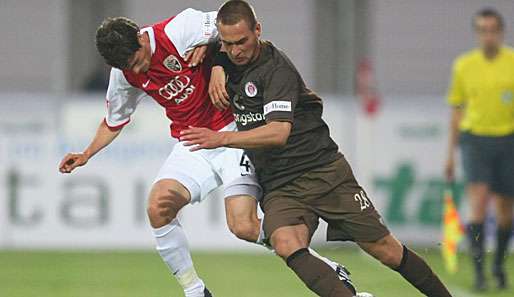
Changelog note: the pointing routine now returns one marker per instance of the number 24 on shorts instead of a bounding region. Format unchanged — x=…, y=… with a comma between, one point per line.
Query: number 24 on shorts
x=362, y=199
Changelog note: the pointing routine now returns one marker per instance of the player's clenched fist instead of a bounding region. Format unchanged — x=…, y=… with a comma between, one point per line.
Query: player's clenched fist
x=72, y=161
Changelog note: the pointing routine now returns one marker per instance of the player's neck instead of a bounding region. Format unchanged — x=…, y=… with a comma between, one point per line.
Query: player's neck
x=257, y=52
x=491, y=53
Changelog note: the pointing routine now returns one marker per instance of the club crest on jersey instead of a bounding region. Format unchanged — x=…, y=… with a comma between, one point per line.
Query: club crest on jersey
x=172, y=63
x=507, y=96
x=250, y=89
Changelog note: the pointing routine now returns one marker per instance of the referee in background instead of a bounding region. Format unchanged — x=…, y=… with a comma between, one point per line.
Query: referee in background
x=482, y=123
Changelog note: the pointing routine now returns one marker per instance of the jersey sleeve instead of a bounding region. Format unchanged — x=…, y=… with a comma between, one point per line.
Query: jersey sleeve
x=191, y=28
x=122, y=100
x=456, y=96
x=281, y=95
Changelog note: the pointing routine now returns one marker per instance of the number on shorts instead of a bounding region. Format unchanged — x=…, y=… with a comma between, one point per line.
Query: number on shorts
x=363, y=200
x=246, y=165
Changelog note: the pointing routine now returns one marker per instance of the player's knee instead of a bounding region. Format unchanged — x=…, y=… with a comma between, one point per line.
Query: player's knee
x=245, y=230
x=285, y=244
x=163, y=205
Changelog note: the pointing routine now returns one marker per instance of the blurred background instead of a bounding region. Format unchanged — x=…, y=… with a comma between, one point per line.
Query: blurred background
x=382, y=67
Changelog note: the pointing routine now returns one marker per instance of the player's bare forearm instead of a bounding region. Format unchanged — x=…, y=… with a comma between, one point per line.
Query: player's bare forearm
x=456, y=116
x=453, y=136
x=103, y=137
x=273, y=134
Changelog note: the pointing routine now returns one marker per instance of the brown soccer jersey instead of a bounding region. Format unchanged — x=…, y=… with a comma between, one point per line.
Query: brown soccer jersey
x=271, y=89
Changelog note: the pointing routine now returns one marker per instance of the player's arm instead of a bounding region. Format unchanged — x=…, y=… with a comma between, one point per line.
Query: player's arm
x=273, y=134
x=191, y=31
x=280, y=97
x=103, y=137
x=217, y=83
x=122, y=100
x=453, y=142
x=456, y=99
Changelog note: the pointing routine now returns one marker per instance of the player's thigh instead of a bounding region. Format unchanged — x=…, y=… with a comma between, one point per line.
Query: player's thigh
x=242, y=220
x=288, y=239
x=192, y=170
x=334, y=194
x=282, y=210
x=236, y=173
x=478, y=159
x=504, y=172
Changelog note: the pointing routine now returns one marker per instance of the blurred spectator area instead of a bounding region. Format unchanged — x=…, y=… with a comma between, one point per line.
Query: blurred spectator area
x=48, y=45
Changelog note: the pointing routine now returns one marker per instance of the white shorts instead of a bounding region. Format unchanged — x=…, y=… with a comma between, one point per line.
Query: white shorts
x=203, y=171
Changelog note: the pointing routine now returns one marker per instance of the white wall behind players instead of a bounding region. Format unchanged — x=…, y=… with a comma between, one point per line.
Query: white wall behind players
x=412, y=42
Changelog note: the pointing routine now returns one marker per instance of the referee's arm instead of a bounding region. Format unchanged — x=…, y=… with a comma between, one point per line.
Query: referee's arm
x=456, y=99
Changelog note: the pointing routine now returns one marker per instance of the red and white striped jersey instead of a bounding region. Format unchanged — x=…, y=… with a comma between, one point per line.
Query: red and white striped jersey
x=181, y=90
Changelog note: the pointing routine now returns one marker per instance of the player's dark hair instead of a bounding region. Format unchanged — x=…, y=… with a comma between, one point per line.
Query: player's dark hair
x=233, y=11
x=117, y=40
x=489, y=12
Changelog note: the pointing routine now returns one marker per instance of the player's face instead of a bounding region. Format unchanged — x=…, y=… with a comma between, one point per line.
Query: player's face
x=489, y=33
x=140, y=60
x=240, y=42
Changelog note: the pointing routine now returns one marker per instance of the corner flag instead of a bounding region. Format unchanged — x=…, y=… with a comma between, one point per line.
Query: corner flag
x=453, y=231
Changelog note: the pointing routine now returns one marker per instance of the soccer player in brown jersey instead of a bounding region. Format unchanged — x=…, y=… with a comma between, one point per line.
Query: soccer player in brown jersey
x=303, y=175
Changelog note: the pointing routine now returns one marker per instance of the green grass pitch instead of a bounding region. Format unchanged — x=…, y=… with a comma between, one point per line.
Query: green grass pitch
x=141, y=274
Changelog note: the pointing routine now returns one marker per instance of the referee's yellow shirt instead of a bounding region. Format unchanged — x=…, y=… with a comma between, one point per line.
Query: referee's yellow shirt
x=485, y=89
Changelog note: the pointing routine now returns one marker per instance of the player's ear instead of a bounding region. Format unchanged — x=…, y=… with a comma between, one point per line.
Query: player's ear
x=140, y=39
x=258, y=29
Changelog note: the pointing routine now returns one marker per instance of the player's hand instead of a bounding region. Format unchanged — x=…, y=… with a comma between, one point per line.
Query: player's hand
x=449, y=170
x=201, y=138
x=217, y=89
x=72, y=161
x=195, y=56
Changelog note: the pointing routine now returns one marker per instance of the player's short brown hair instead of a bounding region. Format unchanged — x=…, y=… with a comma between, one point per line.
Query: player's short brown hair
x=488, y=12
x=233, y=11
x=117, y=40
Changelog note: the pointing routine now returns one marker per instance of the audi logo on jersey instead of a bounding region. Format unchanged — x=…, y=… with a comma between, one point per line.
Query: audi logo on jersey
x=178, y=89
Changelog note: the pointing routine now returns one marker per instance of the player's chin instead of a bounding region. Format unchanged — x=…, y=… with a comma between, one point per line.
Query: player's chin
x=240, y=61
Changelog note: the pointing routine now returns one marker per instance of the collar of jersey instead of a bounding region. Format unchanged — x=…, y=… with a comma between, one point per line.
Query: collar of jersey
x=151, y=36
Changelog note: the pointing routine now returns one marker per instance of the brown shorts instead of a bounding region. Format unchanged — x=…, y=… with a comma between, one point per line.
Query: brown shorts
x=331, y=193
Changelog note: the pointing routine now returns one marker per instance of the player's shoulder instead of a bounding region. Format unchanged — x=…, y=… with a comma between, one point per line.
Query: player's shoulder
x=508, y=51
x=467, y=58
x=279, y=59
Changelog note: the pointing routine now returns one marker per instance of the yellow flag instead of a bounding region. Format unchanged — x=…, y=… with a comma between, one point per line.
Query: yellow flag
x=453, y=232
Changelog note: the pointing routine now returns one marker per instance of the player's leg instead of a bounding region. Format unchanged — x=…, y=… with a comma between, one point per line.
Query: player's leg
x=242, y=219
x=166, y=199
x=178, y=183
x=291, y=225
x=390, y=252
x=242, y=193
x=504, y=209
x=478, y=194
x=504, y=184
x=477, y=161
x=290, y=243
x=351, y=215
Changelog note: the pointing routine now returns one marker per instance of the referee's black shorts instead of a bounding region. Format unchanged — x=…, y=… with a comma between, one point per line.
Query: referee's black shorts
x=489, y=160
